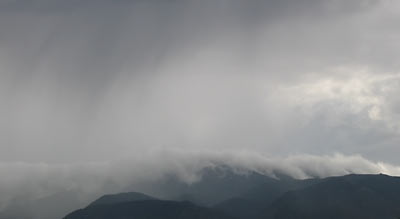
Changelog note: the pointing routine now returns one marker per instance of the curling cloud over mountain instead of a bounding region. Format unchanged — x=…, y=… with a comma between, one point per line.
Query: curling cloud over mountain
x=39, y=180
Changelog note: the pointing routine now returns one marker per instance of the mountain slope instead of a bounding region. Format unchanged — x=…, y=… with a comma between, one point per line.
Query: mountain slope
x=253, y=196
x=121, y=197
x=352, y=196
x=250, y=203
x=149, y=209
x=216, y=185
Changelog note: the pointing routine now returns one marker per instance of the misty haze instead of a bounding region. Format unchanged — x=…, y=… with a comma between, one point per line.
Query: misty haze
x=199, y=109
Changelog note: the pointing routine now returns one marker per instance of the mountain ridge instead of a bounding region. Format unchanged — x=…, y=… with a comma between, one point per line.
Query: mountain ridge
x=350, y=196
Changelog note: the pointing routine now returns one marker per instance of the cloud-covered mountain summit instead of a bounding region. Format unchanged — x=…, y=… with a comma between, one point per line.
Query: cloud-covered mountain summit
x=165, y=175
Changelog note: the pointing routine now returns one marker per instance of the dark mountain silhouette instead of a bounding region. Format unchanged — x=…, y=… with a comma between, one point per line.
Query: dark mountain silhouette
x=351, y=196
x=121, y=197
x=255, y=196
x=149, y=209
x=250, y=203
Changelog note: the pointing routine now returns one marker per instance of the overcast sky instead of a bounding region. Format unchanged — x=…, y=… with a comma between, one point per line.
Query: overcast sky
x=100, y=91
x=99, y=80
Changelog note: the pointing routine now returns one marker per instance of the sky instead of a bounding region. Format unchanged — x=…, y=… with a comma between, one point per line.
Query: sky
x=97, y=81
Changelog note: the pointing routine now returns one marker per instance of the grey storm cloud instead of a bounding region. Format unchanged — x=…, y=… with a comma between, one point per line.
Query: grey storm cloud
x=93, y=80
x=87, y=84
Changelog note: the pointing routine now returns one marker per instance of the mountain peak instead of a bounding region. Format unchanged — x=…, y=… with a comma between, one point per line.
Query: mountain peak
x=121, y=197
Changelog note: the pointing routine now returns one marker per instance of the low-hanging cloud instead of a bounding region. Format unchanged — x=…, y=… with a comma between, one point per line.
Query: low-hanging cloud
x=34, y=181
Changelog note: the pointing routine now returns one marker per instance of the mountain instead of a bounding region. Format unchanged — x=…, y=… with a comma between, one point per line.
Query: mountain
x=120, y=198
x=251, y=195
x=250, y=203
x=216, y=185
x=148, y=209
x=351, y=196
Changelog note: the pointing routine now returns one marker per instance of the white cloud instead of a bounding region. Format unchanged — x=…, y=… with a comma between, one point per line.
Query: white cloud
x=349, y=91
